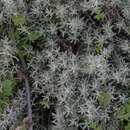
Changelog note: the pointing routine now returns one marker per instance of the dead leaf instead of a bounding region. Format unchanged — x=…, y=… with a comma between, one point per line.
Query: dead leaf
x=26, y=119
x=19, y=128
x=15, y=103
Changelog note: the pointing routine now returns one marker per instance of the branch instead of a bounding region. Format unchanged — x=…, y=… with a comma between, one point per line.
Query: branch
x=24, y=67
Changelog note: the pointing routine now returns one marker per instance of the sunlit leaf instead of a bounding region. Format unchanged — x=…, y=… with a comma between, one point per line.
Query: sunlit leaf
x=93, y=125
x=19, y=19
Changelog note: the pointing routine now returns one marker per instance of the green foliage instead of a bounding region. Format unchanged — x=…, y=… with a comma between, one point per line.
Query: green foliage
x=104, y=99
x=95, y=126
x=99, y=14
x=99, y=127
x=128, y=126
x=19, y=19
x=58, y=20
x=33, y=35
x=7, y=91
x=14, y=34
x=124, y=113
x=23, y=125
x=98, y=48
x=8, y=86
x=45, y=103
x=63, y=107
x=22, y=48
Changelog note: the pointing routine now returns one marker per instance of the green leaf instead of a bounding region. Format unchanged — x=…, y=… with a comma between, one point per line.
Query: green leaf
x=23, y=125
x=45, y=103
x=7, y=76
x=99, y=16
x=4, y=100
x=58, y=20
x=63, y=107
x=129, y=101
x=99, y=127
x=128, y=126
x=37, y=117
x=104, y=99
x=19, y=19
x=22, y=48
x=98, y=48
x=93, y=125
x=124, y=116
x=8, y=86
x=13, y=35
x=128, y=108
x=124, y=113
x=33, y=35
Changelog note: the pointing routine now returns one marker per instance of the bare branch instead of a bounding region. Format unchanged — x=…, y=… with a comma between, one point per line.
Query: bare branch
x=24, y=66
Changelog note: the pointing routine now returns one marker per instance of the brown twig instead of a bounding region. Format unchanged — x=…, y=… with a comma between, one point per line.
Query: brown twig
x=24, y=67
